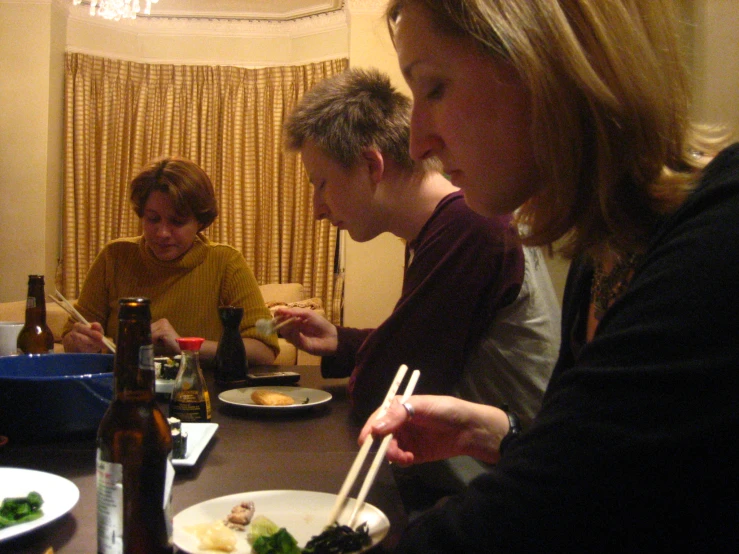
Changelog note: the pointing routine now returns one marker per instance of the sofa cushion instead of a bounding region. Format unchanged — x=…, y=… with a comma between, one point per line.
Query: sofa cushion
x=308, y=303
x=282, y=292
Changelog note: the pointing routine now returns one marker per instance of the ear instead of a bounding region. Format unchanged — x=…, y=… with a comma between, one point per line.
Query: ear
x=375, y=163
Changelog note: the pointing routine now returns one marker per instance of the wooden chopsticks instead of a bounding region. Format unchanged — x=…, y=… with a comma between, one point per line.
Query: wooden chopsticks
x=364, y=451
x=67, y=306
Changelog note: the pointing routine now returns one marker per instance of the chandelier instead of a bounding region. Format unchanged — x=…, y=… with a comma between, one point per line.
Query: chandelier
x=117, y=9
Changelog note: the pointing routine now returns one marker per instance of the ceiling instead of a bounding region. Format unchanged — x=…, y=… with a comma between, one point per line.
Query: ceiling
x=270, y=10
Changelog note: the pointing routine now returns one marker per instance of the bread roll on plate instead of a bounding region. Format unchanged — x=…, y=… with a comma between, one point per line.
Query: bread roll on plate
x=265, y=397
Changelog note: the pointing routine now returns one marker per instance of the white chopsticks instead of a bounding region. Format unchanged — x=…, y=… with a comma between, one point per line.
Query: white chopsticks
x=271, y=326
x=67, y=306
x=364, y=450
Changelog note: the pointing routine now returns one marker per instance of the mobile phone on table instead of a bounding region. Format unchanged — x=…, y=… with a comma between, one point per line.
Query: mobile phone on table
x=273, y=378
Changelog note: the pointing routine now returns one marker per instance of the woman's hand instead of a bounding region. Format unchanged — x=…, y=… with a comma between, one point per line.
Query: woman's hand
x=164, y=338
x=85, y=339
x=441, y=427
x=309, y=331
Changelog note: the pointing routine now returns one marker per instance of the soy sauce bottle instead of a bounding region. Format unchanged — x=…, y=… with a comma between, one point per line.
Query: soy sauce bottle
x=190, y=401
x=35, y=337
x=231, y=365
x=134, y=448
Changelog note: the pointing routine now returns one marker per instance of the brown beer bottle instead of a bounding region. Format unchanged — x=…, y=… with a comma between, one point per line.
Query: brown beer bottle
x=134, y=447
x=35, y=336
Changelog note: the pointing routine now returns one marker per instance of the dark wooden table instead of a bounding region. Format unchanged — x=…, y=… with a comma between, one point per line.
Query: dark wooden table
x=306, y=450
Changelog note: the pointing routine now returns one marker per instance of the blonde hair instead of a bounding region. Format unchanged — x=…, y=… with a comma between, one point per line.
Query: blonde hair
x=609, y=97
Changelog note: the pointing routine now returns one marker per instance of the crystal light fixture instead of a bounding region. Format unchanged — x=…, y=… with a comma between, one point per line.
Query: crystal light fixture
x=117, y=9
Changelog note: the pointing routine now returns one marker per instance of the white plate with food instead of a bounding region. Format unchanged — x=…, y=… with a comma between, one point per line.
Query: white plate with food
x=59, y=496
x=284, y=399
x=303, y=513
x=198, y=437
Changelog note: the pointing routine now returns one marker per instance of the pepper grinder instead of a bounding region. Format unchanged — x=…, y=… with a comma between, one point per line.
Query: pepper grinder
x=231, y=365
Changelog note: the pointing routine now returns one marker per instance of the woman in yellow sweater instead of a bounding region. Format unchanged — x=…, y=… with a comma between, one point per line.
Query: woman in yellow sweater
x=186, y=276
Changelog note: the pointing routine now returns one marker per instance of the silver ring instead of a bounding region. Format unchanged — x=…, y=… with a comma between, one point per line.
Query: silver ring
x=409, y=408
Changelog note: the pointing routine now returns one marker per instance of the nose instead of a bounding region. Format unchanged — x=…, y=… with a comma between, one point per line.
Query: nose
x=424, y=142
x=163, y=230
x=320, y=209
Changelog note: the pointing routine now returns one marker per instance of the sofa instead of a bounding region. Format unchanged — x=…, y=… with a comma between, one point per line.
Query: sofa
x=275, y=295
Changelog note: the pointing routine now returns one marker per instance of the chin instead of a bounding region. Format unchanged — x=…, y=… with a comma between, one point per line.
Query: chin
x=363, y=235
x=167, y=257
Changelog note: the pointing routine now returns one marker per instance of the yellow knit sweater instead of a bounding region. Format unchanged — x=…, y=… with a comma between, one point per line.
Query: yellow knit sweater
x=187, y=291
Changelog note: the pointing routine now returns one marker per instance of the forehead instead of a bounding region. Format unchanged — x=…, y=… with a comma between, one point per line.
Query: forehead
x=161, y=202
x=317, y=161
x=413, y=30
x=419, y=43
x=158, y=199
x=426, y=53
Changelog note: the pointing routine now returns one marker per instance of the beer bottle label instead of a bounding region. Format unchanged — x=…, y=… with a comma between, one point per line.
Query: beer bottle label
x=146, y=357
x=167, y=500
x=110, y=506
x=30, y=302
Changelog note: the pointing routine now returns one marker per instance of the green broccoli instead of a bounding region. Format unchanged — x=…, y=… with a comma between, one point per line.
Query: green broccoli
x=21, y=509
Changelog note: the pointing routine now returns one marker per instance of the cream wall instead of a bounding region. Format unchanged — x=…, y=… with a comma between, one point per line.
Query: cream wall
x=32, y=41
x=34, y=34
x=374, y=269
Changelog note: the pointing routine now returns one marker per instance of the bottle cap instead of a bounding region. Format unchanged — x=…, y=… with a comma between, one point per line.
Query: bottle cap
x=190, y=343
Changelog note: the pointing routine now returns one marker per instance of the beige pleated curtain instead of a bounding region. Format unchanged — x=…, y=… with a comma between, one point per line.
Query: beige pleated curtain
x=120, y=114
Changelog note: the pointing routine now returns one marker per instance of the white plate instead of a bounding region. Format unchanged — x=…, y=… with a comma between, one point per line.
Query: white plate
x=164, y=386
x=304, y=398
x=302, y=513
x=59, y=494
x=198, y=437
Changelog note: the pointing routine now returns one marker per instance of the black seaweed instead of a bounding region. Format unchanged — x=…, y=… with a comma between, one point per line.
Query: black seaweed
x=339, y=539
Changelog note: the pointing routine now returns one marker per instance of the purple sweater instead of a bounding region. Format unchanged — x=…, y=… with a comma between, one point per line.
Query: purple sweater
x=460, y=270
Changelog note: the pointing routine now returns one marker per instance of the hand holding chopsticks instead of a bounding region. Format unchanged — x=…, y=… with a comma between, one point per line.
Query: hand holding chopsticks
x=364, y=450
x=67, y=306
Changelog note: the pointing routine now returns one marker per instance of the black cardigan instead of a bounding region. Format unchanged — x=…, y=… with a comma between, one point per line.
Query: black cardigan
x=635, y=447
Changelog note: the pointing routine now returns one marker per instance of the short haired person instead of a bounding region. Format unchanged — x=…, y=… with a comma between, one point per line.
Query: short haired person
x=186, y=276
x=464, y=274
x=575, y=114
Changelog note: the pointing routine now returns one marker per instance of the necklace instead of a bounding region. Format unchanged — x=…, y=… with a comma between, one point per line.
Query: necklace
x=609, y=285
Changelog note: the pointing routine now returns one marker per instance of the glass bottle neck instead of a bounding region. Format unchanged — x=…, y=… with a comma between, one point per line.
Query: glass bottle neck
x=36, y=304
x=134, y=375
x=190, y=359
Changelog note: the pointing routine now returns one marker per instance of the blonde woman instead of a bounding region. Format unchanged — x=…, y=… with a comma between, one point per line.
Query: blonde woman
x=575, y=112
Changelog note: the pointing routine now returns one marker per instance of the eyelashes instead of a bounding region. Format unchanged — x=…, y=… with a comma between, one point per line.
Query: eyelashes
x=436, y=92
x=155, y=220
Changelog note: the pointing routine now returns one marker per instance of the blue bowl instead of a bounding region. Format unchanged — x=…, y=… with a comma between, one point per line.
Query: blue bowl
x=54, y=396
